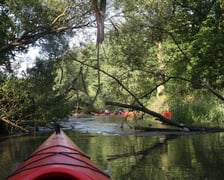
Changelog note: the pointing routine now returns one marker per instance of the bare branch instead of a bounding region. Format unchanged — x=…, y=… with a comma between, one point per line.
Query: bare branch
x=74, y=81
x=144, y=109
x=161, y=118
x=13, y=124
x=60, y=15
x=203, y=85
x=109, y=75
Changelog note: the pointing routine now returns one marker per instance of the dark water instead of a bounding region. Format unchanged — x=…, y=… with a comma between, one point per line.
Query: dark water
x=132, y=156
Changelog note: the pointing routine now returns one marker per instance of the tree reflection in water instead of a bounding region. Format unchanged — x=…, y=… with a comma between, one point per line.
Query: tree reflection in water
x=133, y=157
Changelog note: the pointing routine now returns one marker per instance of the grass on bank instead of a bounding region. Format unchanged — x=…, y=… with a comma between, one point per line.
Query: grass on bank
x=200, y=111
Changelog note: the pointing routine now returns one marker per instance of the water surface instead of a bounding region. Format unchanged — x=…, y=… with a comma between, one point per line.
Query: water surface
x=131, y=156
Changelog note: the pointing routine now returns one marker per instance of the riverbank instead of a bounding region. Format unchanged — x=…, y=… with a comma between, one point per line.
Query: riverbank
x=117, y=126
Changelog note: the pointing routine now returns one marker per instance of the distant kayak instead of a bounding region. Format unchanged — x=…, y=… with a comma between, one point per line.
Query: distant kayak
x=124, y=114
x=58, y=158
x=167, y=114
x=110, y=114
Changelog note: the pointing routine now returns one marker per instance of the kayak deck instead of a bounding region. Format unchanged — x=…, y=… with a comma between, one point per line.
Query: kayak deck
x=58, y=158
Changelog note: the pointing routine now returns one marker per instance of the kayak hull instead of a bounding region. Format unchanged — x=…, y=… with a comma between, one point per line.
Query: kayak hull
x=58, y=158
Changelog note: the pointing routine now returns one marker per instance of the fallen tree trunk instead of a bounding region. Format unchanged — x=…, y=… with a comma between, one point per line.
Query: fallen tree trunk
x=143, y=109
x=14, y=125
x=163, y=119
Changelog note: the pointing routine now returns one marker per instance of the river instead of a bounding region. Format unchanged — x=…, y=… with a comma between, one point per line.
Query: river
x=127, y=155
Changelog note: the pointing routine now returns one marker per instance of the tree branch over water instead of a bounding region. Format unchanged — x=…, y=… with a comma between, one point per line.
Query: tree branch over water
x=161, y=118
x=170, y=77
x=109, y=75
x=202, y=84
x=142, y=108
x=148, y=111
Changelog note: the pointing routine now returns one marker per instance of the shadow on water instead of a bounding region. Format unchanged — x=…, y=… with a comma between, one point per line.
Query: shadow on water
x=141, y=155
x=127, y=155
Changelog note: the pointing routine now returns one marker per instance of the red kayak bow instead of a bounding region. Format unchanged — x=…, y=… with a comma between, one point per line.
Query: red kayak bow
x=58, y=158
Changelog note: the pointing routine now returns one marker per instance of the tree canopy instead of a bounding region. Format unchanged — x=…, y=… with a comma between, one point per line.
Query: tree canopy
x=140, y=46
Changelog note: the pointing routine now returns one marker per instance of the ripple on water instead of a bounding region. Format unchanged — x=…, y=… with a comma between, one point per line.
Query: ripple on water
x=103, y=125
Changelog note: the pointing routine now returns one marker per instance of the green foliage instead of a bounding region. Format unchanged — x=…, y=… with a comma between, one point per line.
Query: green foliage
x=47, y=24
x=15, y=100
x=48, y=102
x=6, y=27
x=197, y=30
x=198, y=109
x=156, y=40
x=183, y=39
x=33, y=101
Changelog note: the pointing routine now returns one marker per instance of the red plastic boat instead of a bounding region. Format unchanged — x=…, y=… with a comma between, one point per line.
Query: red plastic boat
x=58, y=158
x=123, y=114
x=111, y=114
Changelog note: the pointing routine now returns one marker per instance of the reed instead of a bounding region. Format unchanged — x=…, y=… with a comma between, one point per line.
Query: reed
x=203, y=110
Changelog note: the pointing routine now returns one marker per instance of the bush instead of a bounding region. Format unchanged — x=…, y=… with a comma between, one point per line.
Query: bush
x=203, y=110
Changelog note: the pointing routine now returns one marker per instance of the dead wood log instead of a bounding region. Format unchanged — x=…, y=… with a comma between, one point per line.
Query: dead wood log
x=143, y=109
x=163, y=119
x=14, y=125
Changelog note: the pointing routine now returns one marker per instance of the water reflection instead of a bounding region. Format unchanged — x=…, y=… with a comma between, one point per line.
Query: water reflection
x=133, y=157
x=13, y=150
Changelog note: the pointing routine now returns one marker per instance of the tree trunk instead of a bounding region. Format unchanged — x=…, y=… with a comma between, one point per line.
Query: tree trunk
x=163, y=119
x=14, y=125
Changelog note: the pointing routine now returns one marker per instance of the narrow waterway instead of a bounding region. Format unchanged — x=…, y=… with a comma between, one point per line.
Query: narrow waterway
x=126, y=155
